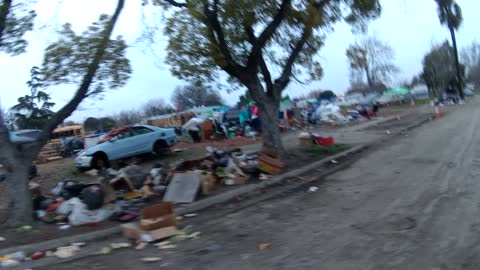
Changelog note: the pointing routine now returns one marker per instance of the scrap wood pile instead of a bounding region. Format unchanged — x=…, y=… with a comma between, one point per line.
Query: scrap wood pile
x=119, y=195
x=50, y=152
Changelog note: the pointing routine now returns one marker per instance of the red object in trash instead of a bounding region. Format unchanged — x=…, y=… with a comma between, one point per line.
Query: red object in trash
x=37, y=255
x=325, y=141
x=52, y=207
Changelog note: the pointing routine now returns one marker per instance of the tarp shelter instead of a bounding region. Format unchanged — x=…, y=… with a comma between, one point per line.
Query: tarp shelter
x=313, y=101
x=397, y=92
x=286, y=104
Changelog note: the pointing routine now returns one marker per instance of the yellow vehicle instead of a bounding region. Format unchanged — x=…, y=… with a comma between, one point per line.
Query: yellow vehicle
x=58, y=134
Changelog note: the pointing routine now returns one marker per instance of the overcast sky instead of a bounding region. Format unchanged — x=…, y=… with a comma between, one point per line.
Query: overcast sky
x=410, y=26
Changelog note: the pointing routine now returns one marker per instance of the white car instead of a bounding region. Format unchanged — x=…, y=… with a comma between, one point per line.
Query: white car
x=126, y=142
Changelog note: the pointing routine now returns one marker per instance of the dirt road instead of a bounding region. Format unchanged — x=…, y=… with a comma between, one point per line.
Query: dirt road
x=413, y=204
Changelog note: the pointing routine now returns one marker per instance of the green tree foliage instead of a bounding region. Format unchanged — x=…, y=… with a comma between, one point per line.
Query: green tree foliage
x=260, y=44
x=371, y=59
x=244, y=100
x=99, y=124
x=33, y=110
x=450, y=15
x=15, y=21
x=327, y=95
x=471, y=59
x=67, y=60
x=191, y=96
x=439, y=68
x=321, y=94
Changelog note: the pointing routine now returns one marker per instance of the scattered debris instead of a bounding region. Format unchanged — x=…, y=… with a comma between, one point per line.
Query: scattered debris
x=264, y=246
x=263, y=176
x=66, y=251
x=37, y=255
x=167, y=246
x=151, y=259
x=194, y=235
x=245, y=256
x=120, y=245
x=312, y=189
x=157, y=222
x=190, y=215
x=2, y=239
x=141, y=246
x=9, y=263
x=177, y=150
x=24, y=228
x=387, y=131
x=333, y=161
x=105, y=250
x=64, y=227
x=163, y=243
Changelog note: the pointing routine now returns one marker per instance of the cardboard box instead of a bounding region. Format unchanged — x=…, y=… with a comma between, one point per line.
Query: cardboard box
x=158, y=216
x=270, y=152
x=132, y=195
x=208, y=182
x=240, y=180
x=306, y=141
x=133, y=231
x=270, y=165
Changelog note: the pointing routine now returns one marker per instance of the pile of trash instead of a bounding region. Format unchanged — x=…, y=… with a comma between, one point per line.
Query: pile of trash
x=119, y=195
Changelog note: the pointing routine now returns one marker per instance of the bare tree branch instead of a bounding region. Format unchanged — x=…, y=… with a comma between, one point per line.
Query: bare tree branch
x=82, y=91
x=217, y=32
x=263, y=65
x=267, y=33
x=284, y=78
x=4, y=11
x=176, y=4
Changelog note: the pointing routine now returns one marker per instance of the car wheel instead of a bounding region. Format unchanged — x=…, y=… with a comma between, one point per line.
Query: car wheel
x=160, y=147
x=99, y=161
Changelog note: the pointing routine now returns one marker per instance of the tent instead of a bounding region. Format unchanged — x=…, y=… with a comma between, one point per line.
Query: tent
x=286, y=104
x=397, y=92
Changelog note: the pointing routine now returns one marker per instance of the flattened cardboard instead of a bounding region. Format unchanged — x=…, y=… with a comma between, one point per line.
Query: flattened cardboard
x=133, y=231
x=183, y=188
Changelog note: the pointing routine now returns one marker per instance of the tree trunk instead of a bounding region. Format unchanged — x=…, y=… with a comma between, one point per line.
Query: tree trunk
x=369, y=77
x=457, y=64
x=269, y=110
x=20, y=199
x=16, y=167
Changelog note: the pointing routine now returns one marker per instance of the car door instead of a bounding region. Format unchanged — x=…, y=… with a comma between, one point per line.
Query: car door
x=143, y=139
x=120, y=146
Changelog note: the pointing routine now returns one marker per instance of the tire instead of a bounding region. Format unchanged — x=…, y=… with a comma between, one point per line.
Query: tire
x=160, y=147
x=99, y=161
